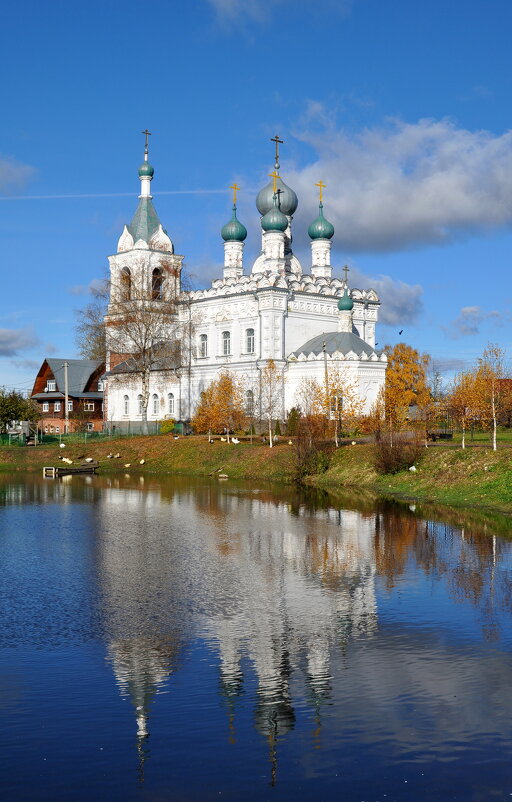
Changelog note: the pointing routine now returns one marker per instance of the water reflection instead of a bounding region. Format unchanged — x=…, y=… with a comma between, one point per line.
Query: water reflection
x=305, y=606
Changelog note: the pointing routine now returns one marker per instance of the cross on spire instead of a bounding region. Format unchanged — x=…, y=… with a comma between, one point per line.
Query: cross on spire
x=346, y=272
x=321, y=186
x=146, y=134
x=235, y=189
x=278, y=142
x=275, y=176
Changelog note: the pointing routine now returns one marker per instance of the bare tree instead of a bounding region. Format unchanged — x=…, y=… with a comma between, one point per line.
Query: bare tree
x=90, y=325
x=271, y=395
x=142, y=328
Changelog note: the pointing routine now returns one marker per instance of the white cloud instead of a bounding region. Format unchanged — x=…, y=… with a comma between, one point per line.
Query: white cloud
x=468, y=321
x=96, y=285
x=12, y=341
x=401, y=302
x=403, y=185
x=13, y=174
x=228, y=11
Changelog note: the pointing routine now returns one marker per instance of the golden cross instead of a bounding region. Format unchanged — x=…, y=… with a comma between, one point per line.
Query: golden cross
x=235, y=189
x=275, y=176
x=321, y=187
x=146, y=134
x=278, y=142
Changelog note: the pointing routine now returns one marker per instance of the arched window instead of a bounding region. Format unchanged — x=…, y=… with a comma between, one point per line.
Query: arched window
x=156, y=404
x=226, y=343
x=157, y=285
x=170, y=403
x=126, y=284
x=249, y=341
x=249, y=402
x=203, y=345
x=139, y=404
x=126, y=405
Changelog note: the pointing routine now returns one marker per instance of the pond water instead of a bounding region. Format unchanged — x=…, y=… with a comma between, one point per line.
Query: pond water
x=194, y=640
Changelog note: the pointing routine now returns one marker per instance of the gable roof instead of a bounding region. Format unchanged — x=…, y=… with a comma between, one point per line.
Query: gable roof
x=79, y=373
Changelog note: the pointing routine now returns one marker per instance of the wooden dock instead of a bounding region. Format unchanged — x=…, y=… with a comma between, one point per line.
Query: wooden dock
x=53, y=472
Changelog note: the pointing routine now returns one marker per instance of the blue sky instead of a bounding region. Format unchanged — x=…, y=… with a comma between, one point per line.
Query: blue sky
x=403, y=109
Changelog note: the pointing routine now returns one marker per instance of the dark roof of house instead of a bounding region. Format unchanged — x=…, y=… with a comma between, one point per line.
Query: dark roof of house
x=79, y=373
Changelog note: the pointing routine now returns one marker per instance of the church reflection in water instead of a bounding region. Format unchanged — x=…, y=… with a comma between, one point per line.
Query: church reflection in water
x=276, y=590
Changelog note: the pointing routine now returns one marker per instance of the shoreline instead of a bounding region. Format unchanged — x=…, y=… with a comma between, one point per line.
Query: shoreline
x=476, y=478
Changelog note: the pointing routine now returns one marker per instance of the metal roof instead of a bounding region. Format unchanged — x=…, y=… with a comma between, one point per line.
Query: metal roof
x=79, y=373
x=341, y=341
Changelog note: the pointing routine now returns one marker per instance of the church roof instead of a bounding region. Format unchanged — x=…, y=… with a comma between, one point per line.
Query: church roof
x=335, y=341
x=145, y=221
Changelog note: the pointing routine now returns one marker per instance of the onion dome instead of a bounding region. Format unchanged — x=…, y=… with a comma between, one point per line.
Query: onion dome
x=345, y=304
x=321, y=228
x=234, y=231
x=146, y=169
x=288, y=201
x=274, y=219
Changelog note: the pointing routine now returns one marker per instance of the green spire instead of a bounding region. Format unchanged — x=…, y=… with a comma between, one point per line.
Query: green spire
x=145, y=221
x=321, y=228
x=274, y=219
x=234, y=230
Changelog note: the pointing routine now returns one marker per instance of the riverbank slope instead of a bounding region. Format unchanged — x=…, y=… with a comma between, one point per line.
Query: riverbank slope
x=451, y=476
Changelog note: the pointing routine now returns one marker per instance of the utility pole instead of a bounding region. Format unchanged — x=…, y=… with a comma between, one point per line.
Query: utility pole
x=66, y=406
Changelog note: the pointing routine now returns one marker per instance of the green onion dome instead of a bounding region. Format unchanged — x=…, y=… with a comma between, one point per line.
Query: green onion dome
x=274, y=219
x=321, y=228
x=234, y=231
x=288, y=200
x=345, y=304
x=146, y=169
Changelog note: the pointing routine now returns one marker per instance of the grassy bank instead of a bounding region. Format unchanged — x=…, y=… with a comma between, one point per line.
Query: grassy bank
x=161, y=454
x=448, y=476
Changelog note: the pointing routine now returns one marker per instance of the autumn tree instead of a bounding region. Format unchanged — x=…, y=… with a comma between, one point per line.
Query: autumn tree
x=490, y=389
x=271, y=395
x=406, y=383
x=221, y=406
x=463, y=401
x=341, y=401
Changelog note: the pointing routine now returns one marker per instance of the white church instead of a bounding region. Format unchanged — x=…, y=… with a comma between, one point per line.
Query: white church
x=306, y=319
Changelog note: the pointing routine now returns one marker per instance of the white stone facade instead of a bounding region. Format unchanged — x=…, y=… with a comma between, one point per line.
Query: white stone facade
x=243, y=320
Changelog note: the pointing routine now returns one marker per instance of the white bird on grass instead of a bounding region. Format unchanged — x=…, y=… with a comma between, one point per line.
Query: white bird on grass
x=235, y=440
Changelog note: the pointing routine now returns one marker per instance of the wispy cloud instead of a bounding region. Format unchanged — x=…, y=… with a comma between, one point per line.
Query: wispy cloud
x=468, y=322
x=112, y=194
x=403, y=185
x=401, y=302
x=258, y=11
x=26, y=364
x=96, y=285
x=12, y=341
x=14, y=175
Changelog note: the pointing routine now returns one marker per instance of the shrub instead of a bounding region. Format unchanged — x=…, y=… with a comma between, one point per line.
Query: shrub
x=395, y=452
x=293, y=422
x=277, y=430
x=167, y=426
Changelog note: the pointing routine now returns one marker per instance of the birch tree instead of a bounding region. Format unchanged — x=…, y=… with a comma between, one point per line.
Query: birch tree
x=490, y=389
x=271, y=395
x=463, y=401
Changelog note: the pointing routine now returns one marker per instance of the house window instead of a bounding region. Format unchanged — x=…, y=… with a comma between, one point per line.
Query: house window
x=90, y=427
x=170, y=403
x=126, y=285
x=156, y=285
x=203, y=345
x=46, y=429
x=156, y=405
x=249, y=341
x=226, y=343
x=56, y=406
x=57, y=429
x=249, y=402
x=100, y=386
x=126, y=405
x=70, y=406
x=139, y=404
x=46, y=406
x=89, y=406
x=52, y=386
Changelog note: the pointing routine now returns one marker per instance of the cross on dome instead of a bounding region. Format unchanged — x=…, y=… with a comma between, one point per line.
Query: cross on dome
x=278, y=142
x=321, y=186
x=235, y=189
x=146, y=134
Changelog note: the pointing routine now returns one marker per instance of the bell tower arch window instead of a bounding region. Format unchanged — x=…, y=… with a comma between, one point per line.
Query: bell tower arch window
x=157, y=282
